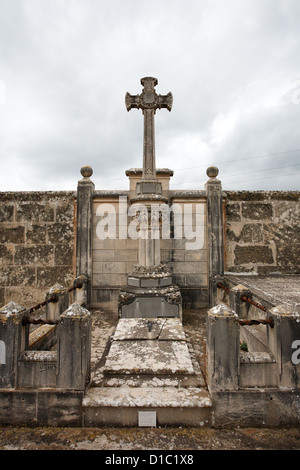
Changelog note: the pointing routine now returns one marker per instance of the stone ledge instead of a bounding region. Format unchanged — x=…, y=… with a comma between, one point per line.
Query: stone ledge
x=147, y=397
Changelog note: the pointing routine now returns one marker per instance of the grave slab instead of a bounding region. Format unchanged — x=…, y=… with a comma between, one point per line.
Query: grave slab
x=141, y=348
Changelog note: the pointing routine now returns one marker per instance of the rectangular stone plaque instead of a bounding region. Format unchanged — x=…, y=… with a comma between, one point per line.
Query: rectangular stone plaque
x=147, y=419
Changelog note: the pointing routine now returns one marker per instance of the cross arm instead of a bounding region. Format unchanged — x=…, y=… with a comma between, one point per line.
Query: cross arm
x=165, y=101
x=132, y=101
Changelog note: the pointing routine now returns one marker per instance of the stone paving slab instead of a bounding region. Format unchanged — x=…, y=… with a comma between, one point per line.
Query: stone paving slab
x=148, y=357
x=150, y=328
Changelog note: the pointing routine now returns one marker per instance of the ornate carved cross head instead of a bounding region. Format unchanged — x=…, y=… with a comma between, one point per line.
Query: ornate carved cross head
x=149, y=99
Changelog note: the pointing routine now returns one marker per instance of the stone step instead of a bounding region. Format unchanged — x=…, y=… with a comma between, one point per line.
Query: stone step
x=119, y=380
x=170, y=406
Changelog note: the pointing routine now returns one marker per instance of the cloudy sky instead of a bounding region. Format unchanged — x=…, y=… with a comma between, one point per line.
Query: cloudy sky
x=232, y=66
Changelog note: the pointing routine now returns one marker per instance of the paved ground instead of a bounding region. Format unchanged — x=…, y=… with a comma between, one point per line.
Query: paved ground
x=50, y=438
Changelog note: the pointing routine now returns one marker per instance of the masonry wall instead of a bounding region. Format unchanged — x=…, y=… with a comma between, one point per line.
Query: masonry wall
x=262, y=232
x=37, y=238
x=36, y=244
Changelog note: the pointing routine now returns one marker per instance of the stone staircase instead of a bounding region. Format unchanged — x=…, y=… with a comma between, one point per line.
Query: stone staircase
x=149, y=377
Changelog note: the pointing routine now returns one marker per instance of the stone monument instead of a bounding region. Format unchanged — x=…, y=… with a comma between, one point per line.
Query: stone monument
x=149, y=345
x=150, y=292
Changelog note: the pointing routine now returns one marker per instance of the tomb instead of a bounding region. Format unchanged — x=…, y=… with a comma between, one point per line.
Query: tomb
x=150, y=353
x=161, y=307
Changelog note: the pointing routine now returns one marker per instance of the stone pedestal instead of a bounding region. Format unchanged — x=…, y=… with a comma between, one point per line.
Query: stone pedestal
x=284, y=342
x=74, y=348
x=222, y=349
x=150, y=293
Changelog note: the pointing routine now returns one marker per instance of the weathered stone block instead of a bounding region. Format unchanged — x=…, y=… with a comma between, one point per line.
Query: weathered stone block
x=38, y=255
x=126, y=255
x=48, y=276
x=65, y=212
x=17, y=276
x=233, y=212
x=33, y=211
x=104, y=255
x=253, y=254
x=109, y=279
x=2, y=296
x=107, y=267
x=64, y=255
x=178, y=255
x=37, y=369
x=189, y=267
x=60, y=233
x=6, y=212
x=6, y=256
x=195, y=255
x=257, y=211
x=248, y=233
x=196, y=280
x=11, y=234
x=36, y=234
x=286, y=238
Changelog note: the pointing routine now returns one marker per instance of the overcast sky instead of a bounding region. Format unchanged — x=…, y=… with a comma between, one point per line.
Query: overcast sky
x=233, y=67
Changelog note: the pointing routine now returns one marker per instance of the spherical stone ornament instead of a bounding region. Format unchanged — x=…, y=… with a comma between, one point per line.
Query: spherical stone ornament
x=212, y=171
x=86, y=171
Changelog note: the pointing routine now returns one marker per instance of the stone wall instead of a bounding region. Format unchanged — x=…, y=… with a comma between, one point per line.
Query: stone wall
x=262, y=232
x=36, y=244
x=37, y=238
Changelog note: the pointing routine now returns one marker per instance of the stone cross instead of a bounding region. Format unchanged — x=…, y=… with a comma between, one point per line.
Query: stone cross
x=149, y=101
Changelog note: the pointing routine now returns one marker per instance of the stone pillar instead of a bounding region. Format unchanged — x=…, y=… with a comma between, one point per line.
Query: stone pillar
x=13, y=341
x=84, y=229
x=236, y=304
x=214, y=229
x=223, y=348
x=56, y=308
x=74, y=348
x=284, y=343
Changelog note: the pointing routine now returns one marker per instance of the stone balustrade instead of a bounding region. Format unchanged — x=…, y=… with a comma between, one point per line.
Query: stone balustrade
x=263, y=355
x=65, y=366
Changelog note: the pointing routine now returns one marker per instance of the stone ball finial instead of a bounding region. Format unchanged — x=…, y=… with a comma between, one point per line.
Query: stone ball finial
x=212, y=171
x=86, y=171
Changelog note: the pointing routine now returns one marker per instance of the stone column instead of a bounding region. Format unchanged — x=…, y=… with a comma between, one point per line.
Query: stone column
x=13, y=339
x=214, y=230
x=223, y=348
x=84, y=229
x=284, y=343
x=74, y=348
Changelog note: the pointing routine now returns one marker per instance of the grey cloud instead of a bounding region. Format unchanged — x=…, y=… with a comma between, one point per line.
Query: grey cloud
x=67, y=65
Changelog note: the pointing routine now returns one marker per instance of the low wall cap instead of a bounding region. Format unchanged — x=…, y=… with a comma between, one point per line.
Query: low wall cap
x=76, y=310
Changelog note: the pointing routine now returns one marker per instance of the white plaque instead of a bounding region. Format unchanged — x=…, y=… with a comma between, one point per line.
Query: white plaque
x=147, y=419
